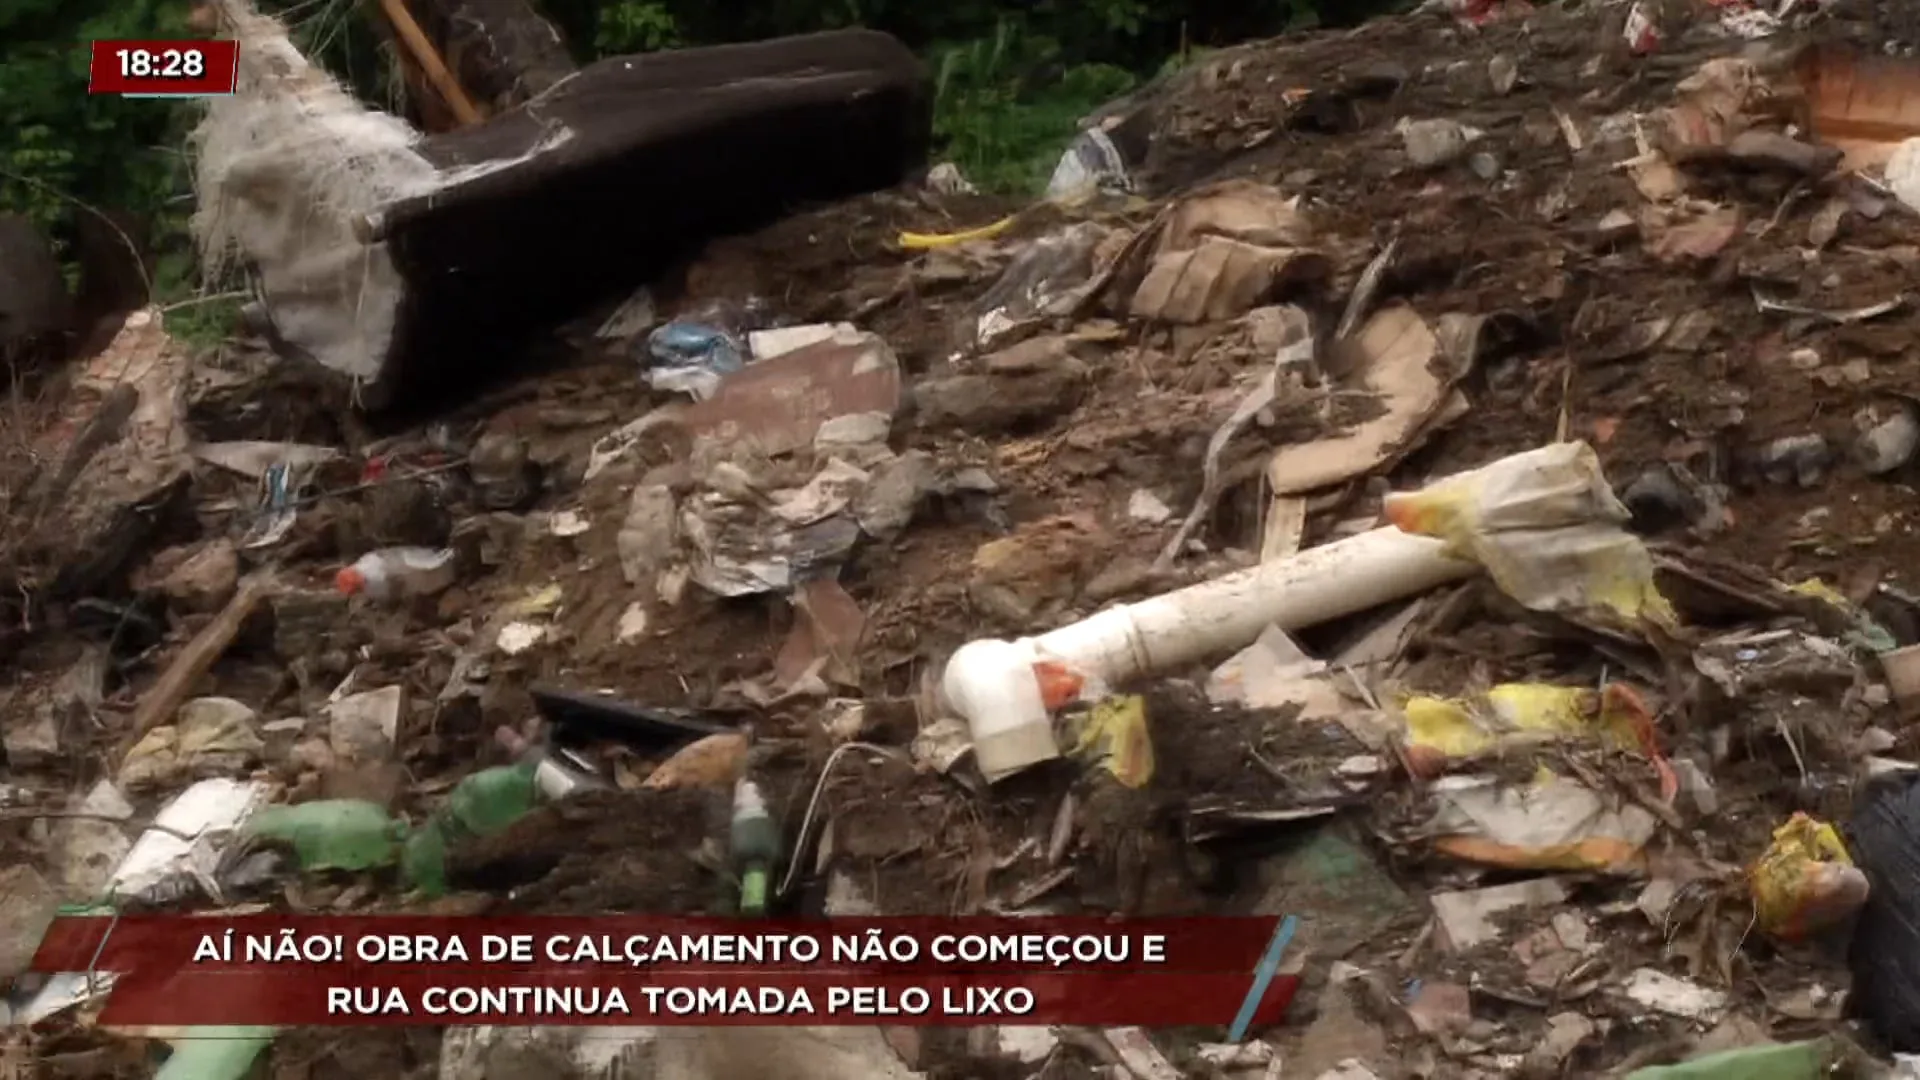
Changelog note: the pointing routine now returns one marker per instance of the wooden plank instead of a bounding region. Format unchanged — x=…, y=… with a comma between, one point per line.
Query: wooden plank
x=164, y=698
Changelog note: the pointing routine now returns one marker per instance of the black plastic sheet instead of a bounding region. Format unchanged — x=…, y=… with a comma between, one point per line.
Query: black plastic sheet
x=1884, y=839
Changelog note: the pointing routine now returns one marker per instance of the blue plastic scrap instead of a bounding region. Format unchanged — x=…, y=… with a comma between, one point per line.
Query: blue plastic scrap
x=695, y=345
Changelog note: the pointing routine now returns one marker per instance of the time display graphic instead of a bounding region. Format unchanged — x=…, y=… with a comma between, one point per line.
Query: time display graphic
x=163, y=68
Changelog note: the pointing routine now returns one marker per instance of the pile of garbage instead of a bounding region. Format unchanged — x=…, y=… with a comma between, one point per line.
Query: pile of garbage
x=1447, y=481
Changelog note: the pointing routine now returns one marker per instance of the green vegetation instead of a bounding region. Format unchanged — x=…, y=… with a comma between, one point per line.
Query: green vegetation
x=1012, y=80
x=1004, y=133
x=65, y=153
x=57, y=143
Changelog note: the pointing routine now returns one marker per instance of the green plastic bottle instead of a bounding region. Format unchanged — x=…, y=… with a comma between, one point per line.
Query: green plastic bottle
x=1777, y=1061
x=754, y=845
x=492, y=799
x=484, y=803
x=216, y=1053
x=332, y=834
x=424, y=859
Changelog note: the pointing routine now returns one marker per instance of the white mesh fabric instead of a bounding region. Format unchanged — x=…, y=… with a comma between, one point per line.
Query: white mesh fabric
x=283, y=169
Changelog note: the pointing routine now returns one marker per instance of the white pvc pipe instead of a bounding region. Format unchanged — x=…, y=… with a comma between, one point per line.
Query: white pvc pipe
x=992, y=684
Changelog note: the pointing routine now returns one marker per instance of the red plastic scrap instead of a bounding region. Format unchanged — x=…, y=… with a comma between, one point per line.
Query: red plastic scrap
x=1643, y=35
x=1482, y=12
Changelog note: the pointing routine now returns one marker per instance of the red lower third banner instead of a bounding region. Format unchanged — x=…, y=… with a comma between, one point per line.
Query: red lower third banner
x=144, y=942
x=275, y=969
x=323, y=995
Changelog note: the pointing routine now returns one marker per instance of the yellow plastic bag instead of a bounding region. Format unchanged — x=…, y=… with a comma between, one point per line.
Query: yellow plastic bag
x=1805, y=881
x=1115, y=734
x=1547, y=528
x=1442, y=730
x=1506, y=714
x=1866, y=633
x=1820, y=590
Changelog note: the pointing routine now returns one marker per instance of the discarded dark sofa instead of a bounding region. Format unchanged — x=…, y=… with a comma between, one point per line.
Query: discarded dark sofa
x=666, y=150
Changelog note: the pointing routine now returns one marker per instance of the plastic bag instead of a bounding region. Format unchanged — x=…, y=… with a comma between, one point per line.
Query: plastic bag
x=1551, y=823
x=1440, y=730
x=1115, y=735
x=1090, y=163
x=1547, y=528
x=699, y=348
x=1866, y=634
x=1805, y=881
x=1047, y=277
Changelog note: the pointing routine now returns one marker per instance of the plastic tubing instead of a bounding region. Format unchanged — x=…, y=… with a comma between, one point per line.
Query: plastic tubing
x=992, y=684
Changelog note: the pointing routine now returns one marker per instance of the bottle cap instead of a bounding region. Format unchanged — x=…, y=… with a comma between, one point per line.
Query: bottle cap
x=747, y=799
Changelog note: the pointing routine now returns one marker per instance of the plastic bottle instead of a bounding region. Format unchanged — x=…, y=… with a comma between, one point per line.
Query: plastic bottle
x=217, y=1052
x=557, y=772
x=332, y=834
x=1090, y=161
x=558, y=775
x=481, y=805
x=398, y=573
x=754, y=845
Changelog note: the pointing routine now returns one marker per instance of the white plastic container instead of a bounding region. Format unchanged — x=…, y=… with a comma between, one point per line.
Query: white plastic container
x=398, y=573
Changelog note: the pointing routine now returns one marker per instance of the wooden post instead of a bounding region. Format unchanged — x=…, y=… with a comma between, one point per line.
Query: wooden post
x=415, y=41
x=164, y=698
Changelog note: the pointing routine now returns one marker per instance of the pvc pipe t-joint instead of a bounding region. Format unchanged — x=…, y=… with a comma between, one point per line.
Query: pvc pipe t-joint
x=992, y=684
